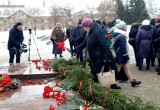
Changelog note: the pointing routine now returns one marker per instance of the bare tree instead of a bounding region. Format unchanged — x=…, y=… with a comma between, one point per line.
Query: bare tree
x=10, y=2
x=34, y=12
x=151, y=7
x=90, y=11
x=106, y=9
x=68, y=11
x=56, y=13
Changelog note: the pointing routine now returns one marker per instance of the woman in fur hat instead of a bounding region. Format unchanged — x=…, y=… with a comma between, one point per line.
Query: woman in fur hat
x=57, y=36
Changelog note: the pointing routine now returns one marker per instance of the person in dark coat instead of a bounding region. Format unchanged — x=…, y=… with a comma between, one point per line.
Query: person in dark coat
x=14, y=42
x=78, y=37
x=57, y=36
x=121, y=49
x=98, y=50
x=132, y=39
x=144, y=43
x=152, y=23
x=157, y=42
x=69, y=33
x=104, y=27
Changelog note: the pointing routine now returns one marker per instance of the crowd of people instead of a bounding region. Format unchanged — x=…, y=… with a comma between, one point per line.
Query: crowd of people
x=103, y=44
x=144, y=38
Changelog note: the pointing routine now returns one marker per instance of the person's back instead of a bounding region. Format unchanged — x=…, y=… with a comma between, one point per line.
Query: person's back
x=133, y=33
x=144, y=43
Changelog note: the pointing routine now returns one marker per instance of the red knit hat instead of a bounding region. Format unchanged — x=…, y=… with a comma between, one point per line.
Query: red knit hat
x=87, y=22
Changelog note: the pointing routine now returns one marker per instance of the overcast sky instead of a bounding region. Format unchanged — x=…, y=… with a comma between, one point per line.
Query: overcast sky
x=77, y=4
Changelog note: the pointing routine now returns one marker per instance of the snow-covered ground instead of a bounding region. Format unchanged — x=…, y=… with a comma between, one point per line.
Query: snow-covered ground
x=45, y=50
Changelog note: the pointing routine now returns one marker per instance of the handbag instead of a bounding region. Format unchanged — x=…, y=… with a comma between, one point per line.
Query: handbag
x=106, y=78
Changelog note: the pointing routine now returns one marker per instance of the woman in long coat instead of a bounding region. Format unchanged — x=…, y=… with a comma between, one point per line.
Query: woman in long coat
x=98, y=50
x=144, y=43
x=57, y=36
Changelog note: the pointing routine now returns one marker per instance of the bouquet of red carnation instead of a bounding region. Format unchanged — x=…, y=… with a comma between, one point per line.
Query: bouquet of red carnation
x=61, y=46
x=5, y=80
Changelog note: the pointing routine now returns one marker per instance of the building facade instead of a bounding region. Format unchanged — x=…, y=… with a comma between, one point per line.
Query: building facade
x=38, y=22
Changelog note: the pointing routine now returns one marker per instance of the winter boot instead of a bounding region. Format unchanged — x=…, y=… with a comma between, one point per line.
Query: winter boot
x=61, y=55
x=55, y=56
x=157, y=69
x=140, y=68
x=135, y=83
x=147, y=68
x=114, y=86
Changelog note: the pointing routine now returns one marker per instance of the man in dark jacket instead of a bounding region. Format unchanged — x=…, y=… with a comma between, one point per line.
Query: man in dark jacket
x=78, y=37
x=14, y=42
x=157, y=46
x=152, y=23
x=69, y=33
x=132, y=38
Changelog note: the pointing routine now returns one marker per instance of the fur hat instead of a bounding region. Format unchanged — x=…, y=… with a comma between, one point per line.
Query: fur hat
x=146, y=22
x=58, y=25
x=121, y=25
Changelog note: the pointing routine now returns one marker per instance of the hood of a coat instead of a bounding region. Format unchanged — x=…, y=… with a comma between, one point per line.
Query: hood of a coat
x=152, y=21
x=136, y=25
x=146, y=27
x=94, y=27
x=118, y=31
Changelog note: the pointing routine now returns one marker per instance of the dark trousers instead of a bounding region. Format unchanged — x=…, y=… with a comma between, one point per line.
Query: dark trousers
x=136, y=56
x=153, y=57
x=148, y=61
x=71, y=46
x=79, y=55
x=12, y=53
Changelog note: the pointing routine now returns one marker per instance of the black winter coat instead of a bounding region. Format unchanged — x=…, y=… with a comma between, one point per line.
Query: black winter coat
x=133, y=33
x=69, y=32
x=120, y=47
x=15, y=38
x=157, y=41
x=97, y=47
x=78, y=35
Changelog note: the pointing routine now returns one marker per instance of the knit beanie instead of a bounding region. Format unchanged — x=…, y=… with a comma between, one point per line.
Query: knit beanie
x=87, y=22
x=18, y=23
x=121, y=25
x=146, y=22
